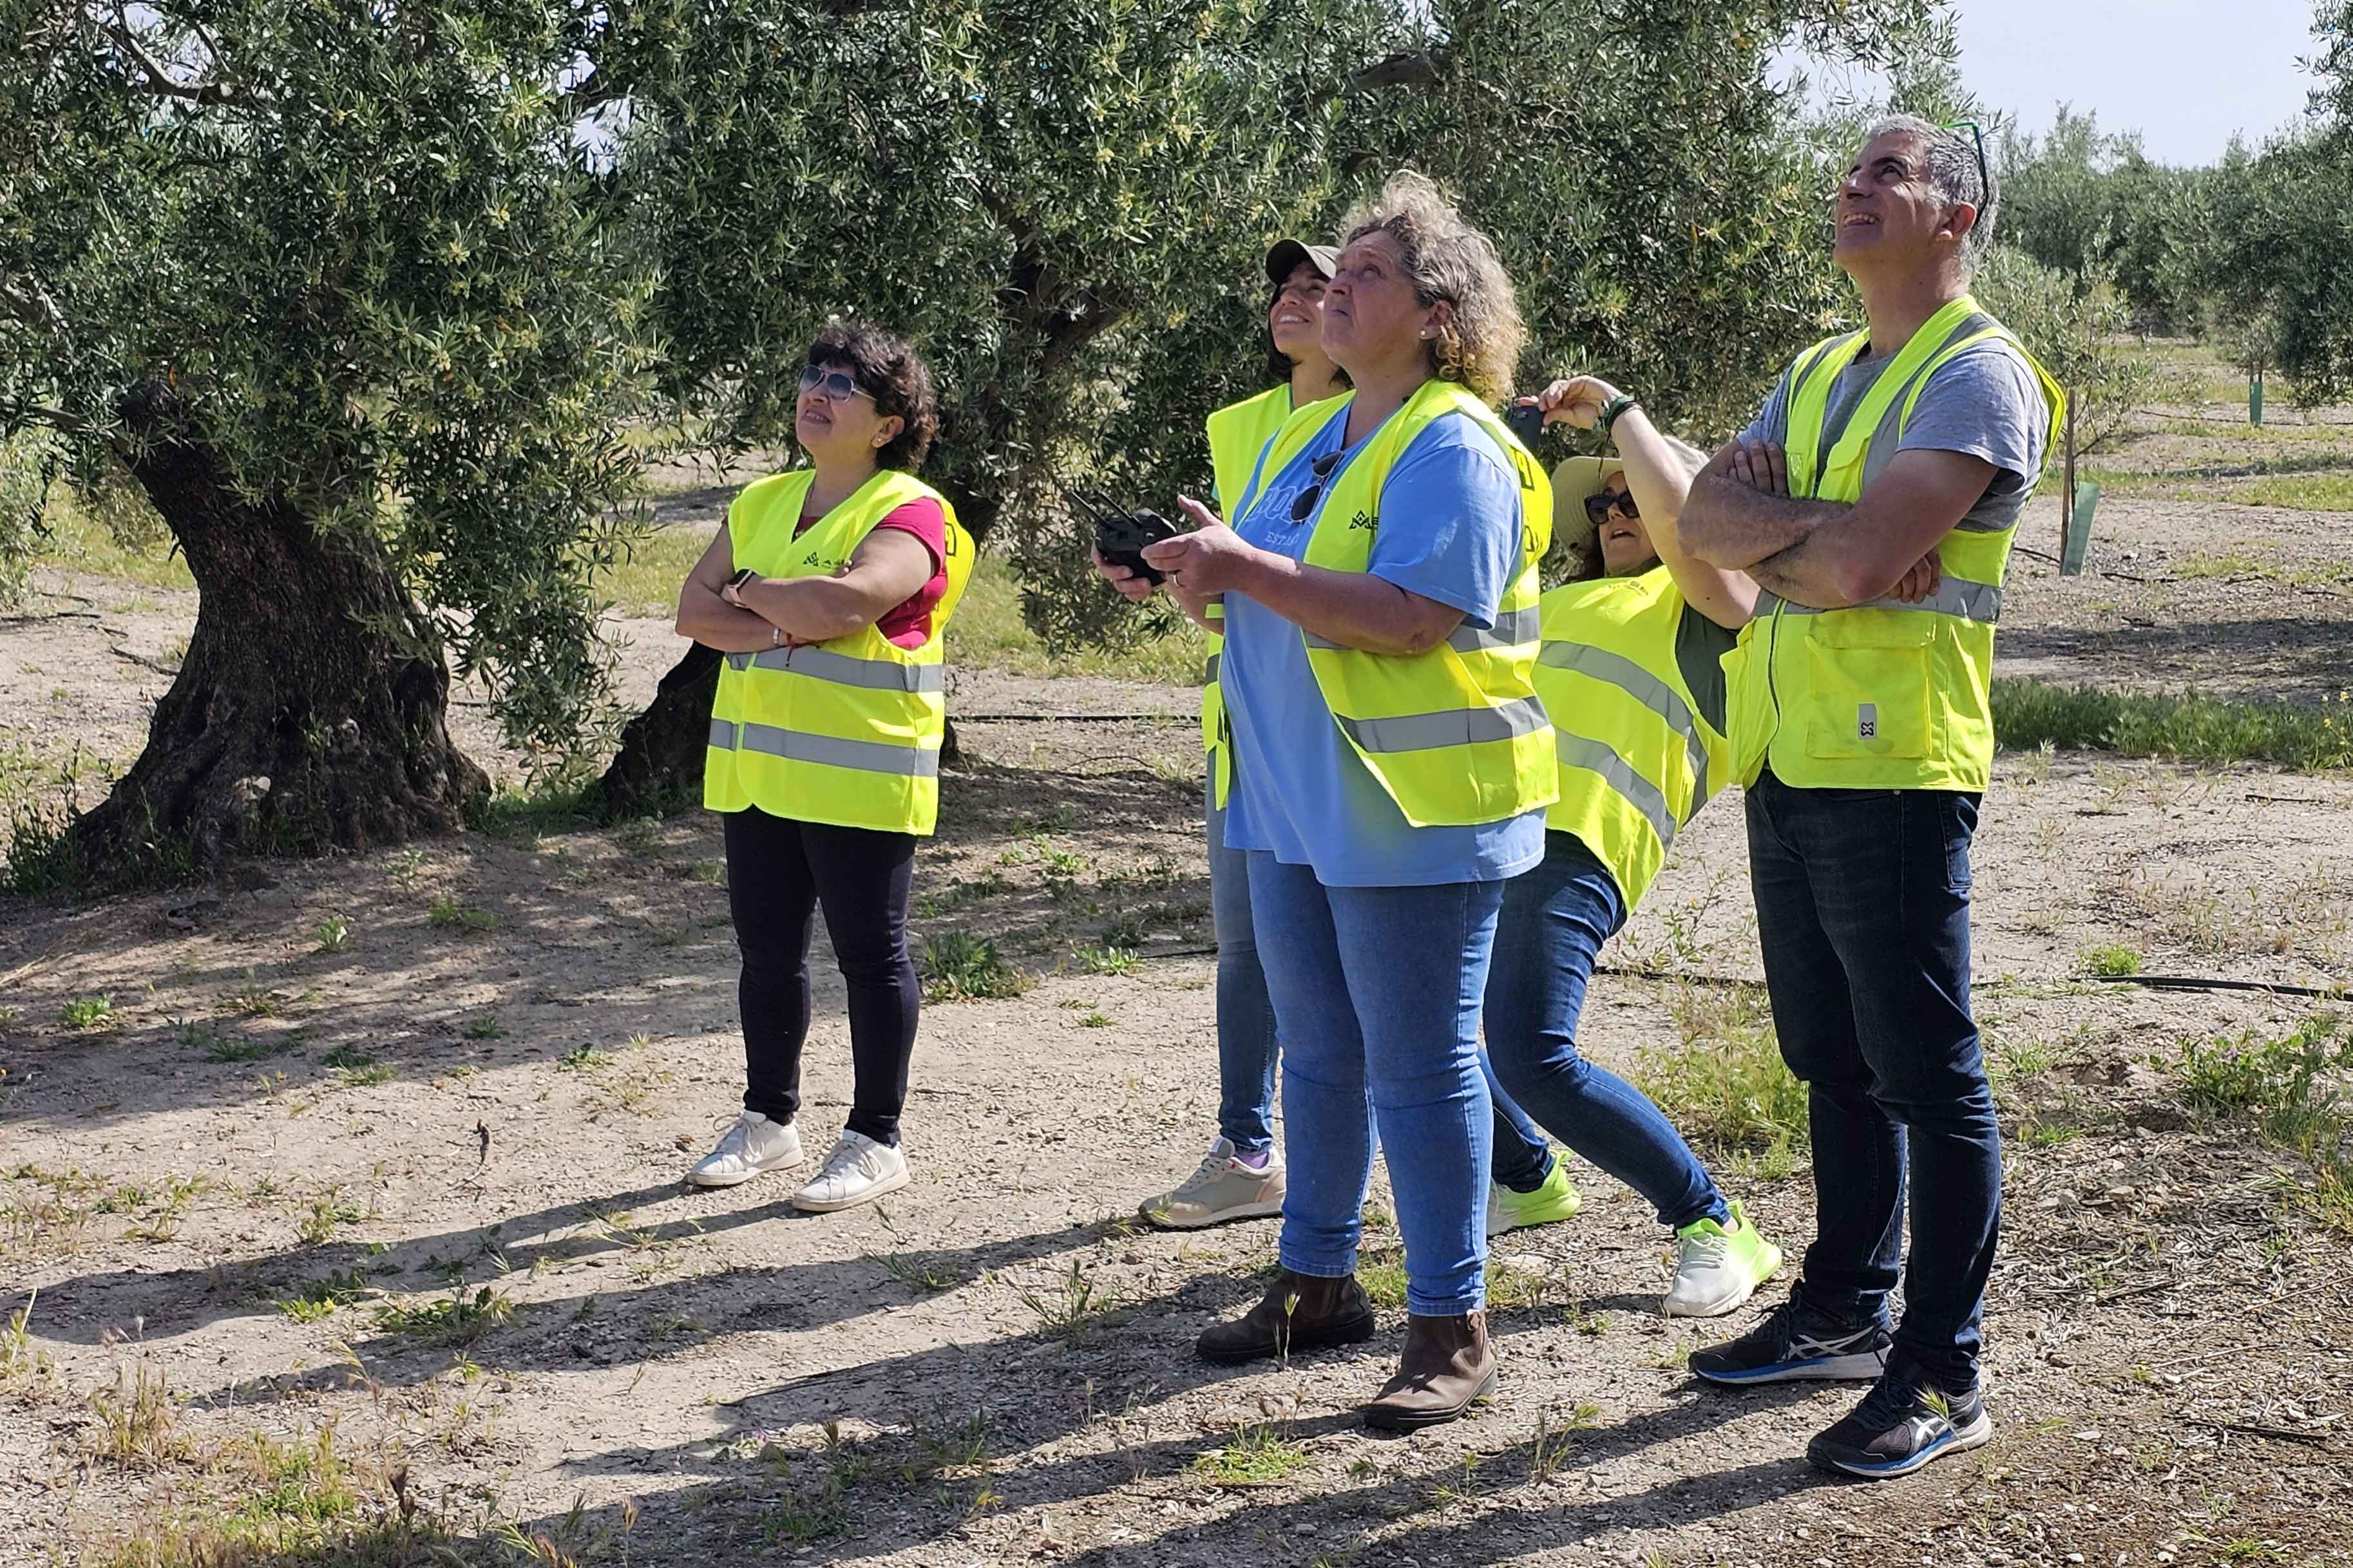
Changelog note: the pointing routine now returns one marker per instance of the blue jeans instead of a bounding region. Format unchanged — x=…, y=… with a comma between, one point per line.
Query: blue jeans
x=1863, y=909
x=1555, y=920
x=1246, y=1040
x=1377, y=994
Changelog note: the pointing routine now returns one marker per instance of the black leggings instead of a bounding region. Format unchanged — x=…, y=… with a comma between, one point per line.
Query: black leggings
x=778, y=872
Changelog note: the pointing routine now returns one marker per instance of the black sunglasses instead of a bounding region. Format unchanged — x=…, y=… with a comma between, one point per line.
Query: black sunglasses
x=1602, y=503
x=1985, y=180
x=838, y=385
x=1304, y=507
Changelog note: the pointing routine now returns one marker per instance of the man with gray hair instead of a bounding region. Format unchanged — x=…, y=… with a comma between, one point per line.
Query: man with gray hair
x=1874, y=500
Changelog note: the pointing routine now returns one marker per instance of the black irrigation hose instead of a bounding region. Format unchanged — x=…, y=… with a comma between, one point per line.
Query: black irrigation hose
x=2200, y=983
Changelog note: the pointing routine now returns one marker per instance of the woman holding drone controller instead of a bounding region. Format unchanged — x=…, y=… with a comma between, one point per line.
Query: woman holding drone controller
x=1391, y=766
x=1242, y=1178
x=828, y=589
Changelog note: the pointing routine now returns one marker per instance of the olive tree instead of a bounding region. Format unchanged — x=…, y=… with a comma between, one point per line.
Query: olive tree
x=332, y=287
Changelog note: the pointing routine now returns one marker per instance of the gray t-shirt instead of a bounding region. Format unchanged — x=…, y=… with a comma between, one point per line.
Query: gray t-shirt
x=1985, y=400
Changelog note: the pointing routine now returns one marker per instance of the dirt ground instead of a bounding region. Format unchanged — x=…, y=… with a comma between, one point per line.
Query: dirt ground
x=420, y=1185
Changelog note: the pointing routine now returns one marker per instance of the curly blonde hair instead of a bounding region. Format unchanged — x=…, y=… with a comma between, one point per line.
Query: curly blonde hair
x=1448, y=259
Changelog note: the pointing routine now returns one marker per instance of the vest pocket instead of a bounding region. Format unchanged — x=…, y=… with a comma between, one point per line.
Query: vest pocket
x=1867, y=695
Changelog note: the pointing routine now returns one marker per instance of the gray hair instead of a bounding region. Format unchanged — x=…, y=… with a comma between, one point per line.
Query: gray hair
x=1951, y=156
x=1446, y=258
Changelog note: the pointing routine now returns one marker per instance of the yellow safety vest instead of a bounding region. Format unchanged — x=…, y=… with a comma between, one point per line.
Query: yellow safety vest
x=1883, y=695
x=1238, y=433
x=1456, y=735
x=1637, y=758
x=845, y=732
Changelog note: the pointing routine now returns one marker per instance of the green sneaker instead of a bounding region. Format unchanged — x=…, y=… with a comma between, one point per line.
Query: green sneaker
x=1719, y=1267
x=1555, y=1200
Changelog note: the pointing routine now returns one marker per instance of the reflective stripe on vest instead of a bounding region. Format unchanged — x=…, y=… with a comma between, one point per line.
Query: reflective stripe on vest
x=1583, y=752
x=1636, y=756
x=830, y=750
x=1883, y=695
x=1645, y=689
x=847, y=732
x=823, y=664
x=1454, y=735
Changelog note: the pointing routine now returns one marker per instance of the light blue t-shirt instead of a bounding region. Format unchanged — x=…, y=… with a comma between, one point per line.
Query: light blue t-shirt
x=1450, y=531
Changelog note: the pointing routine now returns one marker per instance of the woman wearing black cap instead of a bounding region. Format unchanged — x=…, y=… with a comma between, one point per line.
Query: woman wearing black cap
x=1241, y=1175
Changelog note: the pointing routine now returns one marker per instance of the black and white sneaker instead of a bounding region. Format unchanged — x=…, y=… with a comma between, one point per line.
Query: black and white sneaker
x=1795, y=1343
x=1900, y=1426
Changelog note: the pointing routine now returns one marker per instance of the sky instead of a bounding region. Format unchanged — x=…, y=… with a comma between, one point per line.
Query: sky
x=2185, y=73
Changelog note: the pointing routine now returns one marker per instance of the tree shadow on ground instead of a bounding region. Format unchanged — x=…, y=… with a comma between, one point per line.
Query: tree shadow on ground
x=2274, y=658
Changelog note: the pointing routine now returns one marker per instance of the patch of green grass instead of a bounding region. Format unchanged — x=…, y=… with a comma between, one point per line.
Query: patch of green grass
x=2291, y=1091
x=255, y=1000
x=2187, y=728
x=332, y=934
x=486, y=1028
x=1104, y=960
x=646, y=578
x=1257, y=1455
x=357, y=1070
x=1383, y=1278
x=456, y=1319
x=2107, y=958
x=959, y=967
x=1097, y=1019
x=316, y=1299
x=585, y=1058
x=1071, y=1308
x=450, y=914
x=1724, y=1083
x=962, y=895
x=88, y=1013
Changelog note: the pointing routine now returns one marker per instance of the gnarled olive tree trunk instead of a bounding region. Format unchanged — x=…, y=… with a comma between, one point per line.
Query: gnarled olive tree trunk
x=309, y=711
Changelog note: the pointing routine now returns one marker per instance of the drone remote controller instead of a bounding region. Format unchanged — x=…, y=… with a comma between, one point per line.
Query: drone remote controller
x=1121, y=536
x=1524, y=420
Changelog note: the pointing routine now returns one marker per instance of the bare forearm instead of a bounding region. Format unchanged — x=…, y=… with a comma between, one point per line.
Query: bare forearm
x=1807, y=573
x=1355, y=609
x=715, y=624
x=1729, y=524
x=813, y=609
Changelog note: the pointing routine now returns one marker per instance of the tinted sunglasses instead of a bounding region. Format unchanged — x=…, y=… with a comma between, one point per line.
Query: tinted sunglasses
x=1304, y=507
x=838, y=385
x=1602, y=503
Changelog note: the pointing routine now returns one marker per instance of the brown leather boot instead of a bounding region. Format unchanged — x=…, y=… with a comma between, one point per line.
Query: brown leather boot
x=1449, y=1363
x=1301, y=1312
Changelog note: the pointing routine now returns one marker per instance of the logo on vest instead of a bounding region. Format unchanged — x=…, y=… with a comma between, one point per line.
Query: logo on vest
x=812, y=559
x=1866, y=721
x=1364, y=520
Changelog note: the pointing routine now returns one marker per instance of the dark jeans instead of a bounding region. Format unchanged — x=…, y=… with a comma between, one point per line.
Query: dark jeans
x=1555, y=920
x=1863, y=909
x=778, y=872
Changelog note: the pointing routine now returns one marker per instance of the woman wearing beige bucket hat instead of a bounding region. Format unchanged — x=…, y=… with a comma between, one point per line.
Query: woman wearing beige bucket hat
x=1629, y=678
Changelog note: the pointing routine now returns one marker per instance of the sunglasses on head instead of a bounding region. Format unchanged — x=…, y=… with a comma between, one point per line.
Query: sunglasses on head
x=1304, y=507
x=838, y=385
x=1602, y=503
x=1985, y=180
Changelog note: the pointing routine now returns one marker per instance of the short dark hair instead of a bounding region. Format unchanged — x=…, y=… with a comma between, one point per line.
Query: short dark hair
x=890, y=372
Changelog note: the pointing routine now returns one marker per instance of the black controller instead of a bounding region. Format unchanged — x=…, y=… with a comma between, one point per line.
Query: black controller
x=1121, y=536
x=1524, y=420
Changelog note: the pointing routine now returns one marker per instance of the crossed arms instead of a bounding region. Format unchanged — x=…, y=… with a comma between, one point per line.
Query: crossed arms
x=1830, y=555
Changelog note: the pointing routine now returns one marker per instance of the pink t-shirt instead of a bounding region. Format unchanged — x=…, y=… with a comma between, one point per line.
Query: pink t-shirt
x=910, y=624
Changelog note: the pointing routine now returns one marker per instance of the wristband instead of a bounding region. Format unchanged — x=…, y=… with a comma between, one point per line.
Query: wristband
x=1611, y=410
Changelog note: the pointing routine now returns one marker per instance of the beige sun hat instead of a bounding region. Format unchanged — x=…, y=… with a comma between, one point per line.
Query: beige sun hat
x=1576, y=478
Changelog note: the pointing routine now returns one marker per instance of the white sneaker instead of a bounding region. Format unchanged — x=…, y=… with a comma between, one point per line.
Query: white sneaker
x=1719, y=1267
x=752, y=1145
x=859, y=1171
x=1221, y=1188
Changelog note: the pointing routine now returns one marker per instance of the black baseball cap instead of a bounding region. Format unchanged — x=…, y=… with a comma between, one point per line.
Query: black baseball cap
x=1287, y=254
